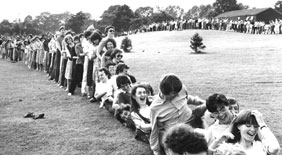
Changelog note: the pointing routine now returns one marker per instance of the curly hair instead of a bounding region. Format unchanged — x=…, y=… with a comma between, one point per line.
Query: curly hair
x=112, y=41
x=183, y=138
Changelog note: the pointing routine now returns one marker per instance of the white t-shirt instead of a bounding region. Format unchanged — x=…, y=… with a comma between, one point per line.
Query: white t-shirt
x=215, y=131
x=102, y=88
x=257, y=149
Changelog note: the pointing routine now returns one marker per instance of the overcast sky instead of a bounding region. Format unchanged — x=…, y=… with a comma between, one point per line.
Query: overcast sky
x=12, y=9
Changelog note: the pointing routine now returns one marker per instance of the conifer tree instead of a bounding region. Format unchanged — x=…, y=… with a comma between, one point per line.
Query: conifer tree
x=196, y=43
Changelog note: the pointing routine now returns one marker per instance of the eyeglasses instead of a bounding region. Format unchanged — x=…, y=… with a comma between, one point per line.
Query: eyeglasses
x=111, y=30
x=119, y=56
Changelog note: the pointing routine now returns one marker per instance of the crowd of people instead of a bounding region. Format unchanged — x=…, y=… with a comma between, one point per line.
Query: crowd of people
x=243, y=26
x=171, y=121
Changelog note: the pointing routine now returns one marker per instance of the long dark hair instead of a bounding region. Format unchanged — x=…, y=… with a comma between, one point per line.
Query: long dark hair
x=244, y=117
x=135, y=107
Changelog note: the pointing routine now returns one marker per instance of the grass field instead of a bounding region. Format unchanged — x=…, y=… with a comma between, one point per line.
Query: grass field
x=247, y=67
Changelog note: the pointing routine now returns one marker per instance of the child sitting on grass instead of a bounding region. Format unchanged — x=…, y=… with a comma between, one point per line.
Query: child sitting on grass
x=122, y=103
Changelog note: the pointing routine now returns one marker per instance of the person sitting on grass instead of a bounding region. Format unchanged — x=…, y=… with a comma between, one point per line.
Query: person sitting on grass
x=116, y=56
x=170, y=107
x=182, y=139
x=249, y=131
x=122, y=101
x=112, y=68
x=121, y=69
x=102, y=86
x=140, y=112
x=218, y=106
x=233, y=105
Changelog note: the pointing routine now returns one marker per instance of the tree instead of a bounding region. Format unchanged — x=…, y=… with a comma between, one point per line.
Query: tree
x=5, y=27
x=221, y=6
x=196, y=43
x=242, y=6
x=194, y=12
x=122, y=19
x=175, y=11
x=76, y=22
x=278, y=6
x=160, y=17
x=204, y=10
x=137, y=23
x=144, y=11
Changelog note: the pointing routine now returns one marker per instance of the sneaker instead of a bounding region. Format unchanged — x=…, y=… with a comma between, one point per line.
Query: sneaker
x=69, y=94
x=40, y=116
x=29, y=115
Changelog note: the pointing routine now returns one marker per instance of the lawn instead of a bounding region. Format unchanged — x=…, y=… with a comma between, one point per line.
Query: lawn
x=246, y=67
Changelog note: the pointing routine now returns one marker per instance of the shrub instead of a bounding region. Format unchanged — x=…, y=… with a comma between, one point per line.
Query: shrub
x=196, y=43
x=126, y=44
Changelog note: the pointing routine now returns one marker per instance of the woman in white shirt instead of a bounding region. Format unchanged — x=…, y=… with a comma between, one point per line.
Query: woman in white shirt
x=251, y=133
x=140, y=111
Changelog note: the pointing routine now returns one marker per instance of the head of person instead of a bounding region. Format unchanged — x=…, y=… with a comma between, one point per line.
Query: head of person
x=139, y=97
x=25, y=42
x=76, y=39
x=122, y=69
x=123, y=83
x=68, y=39
x=69, y=32
x=182, y=139
x=112, y=68
x=29, y=37
x=62, y=30
x=81, y=37
x=110, y=31
x=244, y=127
x=103, y=75
x=91, y=28
x=233, y=105
x=218, y=106
x=95, y=38
x=150, y=90
x=87, y=34
x=116, y=55
x=110, y=44
x=170, y=86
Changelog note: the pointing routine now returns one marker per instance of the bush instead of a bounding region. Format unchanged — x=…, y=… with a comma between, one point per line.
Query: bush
x=126, y=44
x=196, y=43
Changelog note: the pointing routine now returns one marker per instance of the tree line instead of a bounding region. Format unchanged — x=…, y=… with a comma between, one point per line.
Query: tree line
x=121, y=16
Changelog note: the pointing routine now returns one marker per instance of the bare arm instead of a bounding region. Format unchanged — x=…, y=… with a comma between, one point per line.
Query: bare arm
x=266, y=135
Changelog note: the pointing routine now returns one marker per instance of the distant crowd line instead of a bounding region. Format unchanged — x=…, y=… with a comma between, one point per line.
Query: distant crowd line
x=166, y=120
x=242, y=26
